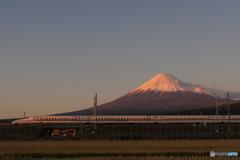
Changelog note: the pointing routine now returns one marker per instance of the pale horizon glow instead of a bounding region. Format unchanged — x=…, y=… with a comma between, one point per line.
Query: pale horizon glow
x=55, y=55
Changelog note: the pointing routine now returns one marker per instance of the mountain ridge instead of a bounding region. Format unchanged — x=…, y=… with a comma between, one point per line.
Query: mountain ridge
x=163, y=94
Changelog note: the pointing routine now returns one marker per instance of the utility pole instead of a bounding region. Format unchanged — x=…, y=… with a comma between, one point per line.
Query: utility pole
x=95, y=111
x=24, y=115
x=228, y=112
x=216, y=106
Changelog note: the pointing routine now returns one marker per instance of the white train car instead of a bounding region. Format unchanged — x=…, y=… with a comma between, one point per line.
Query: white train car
x=131, y=119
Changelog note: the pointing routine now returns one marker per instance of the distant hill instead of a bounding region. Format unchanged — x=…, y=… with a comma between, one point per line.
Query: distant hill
x=234, y=109
x=9, y=120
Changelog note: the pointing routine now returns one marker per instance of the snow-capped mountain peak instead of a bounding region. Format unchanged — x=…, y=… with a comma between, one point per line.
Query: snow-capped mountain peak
x=168, y=83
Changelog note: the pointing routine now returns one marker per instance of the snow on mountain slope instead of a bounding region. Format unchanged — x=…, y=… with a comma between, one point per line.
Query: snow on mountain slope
x=168, y=83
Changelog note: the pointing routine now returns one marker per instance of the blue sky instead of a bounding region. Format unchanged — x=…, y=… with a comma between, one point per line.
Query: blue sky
x=55, y=55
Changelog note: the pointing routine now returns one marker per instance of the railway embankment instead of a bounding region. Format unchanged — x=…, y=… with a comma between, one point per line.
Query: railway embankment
x=121, y=131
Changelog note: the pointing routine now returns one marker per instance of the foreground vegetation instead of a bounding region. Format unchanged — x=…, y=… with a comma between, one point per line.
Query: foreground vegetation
x=155, y=149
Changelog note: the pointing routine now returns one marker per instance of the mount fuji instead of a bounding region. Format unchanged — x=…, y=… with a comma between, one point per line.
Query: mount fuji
x=163, y=94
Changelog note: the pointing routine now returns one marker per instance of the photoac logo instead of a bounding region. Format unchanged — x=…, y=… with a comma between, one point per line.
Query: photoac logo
x=212, y=154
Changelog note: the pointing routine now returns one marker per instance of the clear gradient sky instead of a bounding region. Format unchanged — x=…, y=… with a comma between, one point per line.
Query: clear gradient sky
x=56, y=54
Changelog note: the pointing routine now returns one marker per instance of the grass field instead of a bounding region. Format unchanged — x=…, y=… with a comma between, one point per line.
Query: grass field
x=155, y=149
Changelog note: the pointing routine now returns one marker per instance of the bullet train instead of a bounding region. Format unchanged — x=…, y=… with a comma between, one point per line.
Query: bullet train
x=134, y=119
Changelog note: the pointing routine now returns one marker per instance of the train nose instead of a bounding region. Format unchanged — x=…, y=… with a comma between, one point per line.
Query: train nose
x=14, y=122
